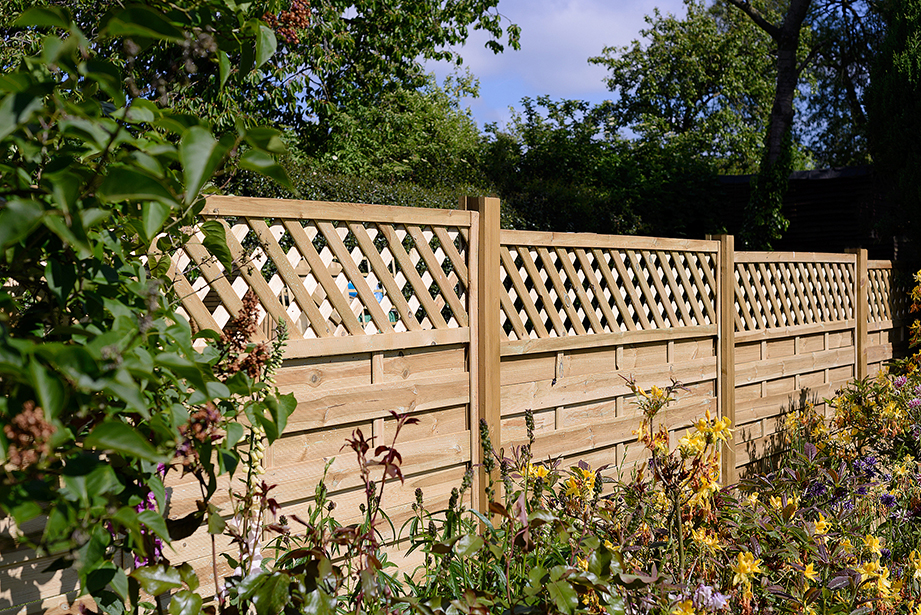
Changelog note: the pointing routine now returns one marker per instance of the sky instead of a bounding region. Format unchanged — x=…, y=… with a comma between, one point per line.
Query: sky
x=557, y=38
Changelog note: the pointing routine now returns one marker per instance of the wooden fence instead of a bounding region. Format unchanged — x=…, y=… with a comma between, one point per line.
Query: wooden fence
x=440, y=314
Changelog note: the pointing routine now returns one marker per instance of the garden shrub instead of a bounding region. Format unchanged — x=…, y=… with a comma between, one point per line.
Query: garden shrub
x=103, y=389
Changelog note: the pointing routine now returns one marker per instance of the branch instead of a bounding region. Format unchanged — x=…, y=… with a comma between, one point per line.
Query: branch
x=813, y=53
x=757, y=17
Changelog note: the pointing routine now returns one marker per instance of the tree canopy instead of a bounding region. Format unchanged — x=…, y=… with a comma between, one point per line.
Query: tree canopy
x=701, y=82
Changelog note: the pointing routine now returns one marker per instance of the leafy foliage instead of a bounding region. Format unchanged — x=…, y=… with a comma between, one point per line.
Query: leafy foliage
x=702, y=83
x=557, y=169
x=102, y=388
x=418, y=136
x=893, y=109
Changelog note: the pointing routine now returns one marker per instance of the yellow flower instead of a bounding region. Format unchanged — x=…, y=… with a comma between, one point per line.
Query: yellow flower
x=691, y=445
x=872, y=544
x=914, y=558
x=707, y=540
x=821, y=526
x=883, y=583
x=746, y=567
x=536, y=471
x=776, y=502
x=581, y=563
x=684, y=608
x=810, y=573
x=868, y=569
x=753, y=500
x=847, y=546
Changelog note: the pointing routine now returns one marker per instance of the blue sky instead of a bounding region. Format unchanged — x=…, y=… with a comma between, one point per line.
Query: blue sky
x=557, y=38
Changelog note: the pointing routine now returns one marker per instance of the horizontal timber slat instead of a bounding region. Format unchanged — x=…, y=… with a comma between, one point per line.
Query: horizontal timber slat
x=781, y=332
x=322, y=210
x=592, y=240
x=573, y=342
x=793, y=257
x=302, y=349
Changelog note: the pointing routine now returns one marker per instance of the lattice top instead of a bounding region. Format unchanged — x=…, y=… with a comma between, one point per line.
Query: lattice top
x=556, y=285
x=887, y=292
x=783, y=289
x=328, y=270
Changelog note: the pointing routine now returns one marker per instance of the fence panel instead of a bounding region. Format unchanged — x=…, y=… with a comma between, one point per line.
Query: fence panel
x=579, y=314
x=794, y=340
x=376, y=300
x=888, y=302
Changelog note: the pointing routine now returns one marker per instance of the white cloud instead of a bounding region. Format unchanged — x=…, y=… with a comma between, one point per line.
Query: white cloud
x=557, y=38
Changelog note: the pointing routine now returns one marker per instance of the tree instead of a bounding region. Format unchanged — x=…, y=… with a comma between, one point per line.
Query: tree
x=557, y=169
x=702, y=83
x=331, y=53
x=894, y=110
x=410, y=135
x=840, y=61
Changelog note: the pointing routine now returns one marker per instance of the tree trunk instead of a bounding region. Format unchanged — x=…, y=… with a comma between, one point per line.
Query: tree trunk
x=763, y=220
x=781, y=118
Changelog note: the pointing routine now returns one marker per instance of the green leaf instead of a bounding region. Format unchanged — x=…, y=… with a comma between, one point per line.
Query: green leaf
x=185, y=603
x=234, y=433
x=266, y=139
x=48, y=388
x=53, y=17
x=272, y=594
x=265, y=45
x=153, y=215
x=113, y=435
x=126, y=184
x=565, y=597
x=15, y=110
x=188, y=576
x=109, y=78
x=157, y=579
x=216, y=242
x=468, y=545
x=281, y=409
x=223, y=66
x=260, y=162
x=155, y=523
x=201, y=154
x=138, y=21
x=216, y=524
x=17, y=219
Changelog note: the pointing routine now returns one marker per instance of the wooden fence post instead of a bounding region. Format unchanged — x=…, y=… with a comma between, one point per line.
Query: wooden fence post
x=861, y=313
x=484, y=375
x=726, y=352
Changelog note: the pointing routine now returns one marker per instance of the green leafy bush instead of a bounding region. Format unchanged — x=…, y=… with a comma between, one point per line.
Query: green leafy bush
x=103, y=389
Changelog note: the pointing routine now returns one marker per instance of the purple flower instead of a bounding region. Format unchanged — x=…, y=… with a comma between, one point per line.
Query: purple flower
x=885, y=553
x=900, y=382
x=816, y=489
x=887, y=500
x=914, y=403
x=706, y=597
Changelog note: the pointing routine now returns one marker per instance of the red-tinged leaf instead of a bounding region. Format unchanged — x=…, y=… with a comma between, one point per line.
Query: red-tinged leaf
x=498, y=509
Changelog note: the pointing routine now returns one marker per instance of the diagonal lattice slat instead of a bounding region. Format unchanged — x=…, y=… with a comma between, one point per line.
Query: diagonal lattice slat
x=328, y=278
x=774, y=293
x=553, y=289
x=887, y=293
